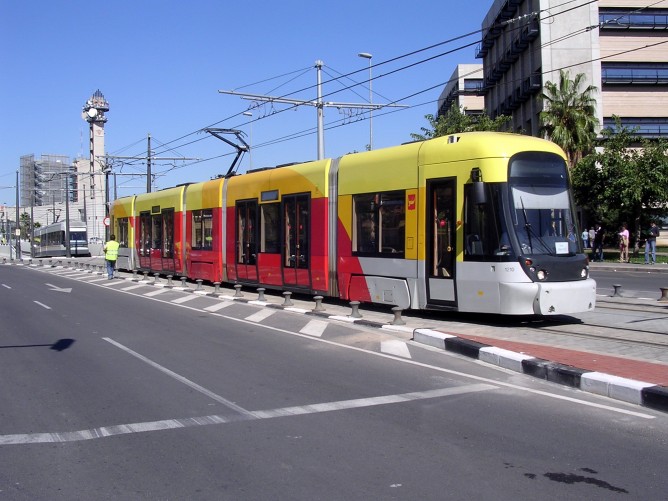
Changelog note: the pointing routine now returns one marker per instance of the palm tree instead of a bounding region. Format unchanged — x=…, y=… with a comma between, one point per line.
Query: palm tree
x=569, y=115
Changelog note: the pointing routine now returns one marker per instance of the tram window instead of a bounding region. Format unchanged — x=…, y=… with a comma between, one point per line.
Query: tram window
x=122, y=235
x=202, y=229
x=246, y=232
x=486, y=237
x=156, y=232
x=543, y=215
x=145, y=232
x=270, y=239
x=379, y=221
x=168, y=232
x=296, y=224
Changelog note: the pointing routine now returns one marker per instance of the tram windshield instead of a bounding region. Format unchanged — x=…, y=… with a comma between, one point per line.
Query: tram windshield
x=77, y=236
x=541, y=211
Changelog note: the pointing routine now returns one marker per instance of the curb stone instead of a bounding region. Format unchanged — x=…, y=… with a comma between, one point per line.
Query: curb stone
x=627, y=390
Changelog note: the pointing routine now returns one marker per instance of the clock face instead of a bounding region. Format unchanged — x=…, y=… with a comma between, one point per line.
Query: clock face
x=92, y=112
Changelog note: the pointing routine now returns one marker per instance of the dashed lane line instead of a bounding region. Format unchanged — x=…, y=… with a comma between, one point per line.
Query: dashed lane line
x=180, y=378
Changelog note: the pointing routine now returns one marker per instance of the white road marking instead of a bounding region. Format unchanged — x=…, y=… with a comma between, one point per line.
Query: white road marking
x=6, y=286
x=219, y=306
x=395, y=347
x=133, y=287
x=314, y=328
x=113, y=282
x=429, y=366
x=260, y=315
x=42, y=305
x=180, y=378
x=172, y=424
x=183, y=299
x=154, y=293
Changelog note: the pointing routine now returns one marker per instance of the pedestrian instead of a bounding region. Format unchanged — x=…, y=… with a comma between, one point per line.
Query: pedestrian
x=592, y=235
x=585, y=238
x=650, y=243
x=623, y=244
x=598, y=243
x=111, y=254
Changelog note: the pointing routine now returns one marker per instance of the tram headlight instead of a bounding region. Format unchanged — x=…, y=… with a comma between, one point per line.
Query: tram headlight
x=584, y=272
x=541, y=275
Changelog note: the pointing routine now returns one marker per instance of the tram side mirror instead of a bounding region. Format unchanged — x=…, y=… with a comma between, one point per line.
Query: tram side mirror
x=478, y=194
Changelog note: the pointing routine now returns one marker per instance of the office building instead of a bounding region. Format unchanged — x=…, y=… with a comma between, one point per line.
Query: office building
x=619, y=45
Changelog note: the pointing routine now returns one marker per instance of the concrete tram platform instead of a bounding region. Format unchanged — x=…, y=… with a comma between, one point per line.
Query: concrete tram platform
x=600, y=366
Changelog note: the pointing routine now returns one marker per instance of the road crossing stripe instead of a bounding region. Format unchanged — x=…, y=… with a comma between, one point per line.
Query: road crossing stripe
x=114, y=282
x=133, y=287
x=219, y=306
x=395, y=347
x=154, y=293
x=260, y=315
x=183, y=299
x=314, y=328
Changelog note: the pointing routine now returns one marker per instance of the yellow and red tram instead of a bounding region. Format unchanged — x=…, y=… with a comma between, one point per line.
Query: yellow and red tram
x=479, y=222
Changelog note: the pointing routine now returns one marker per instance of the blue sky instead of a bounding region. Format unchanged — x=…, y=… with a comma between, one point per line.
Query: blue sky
x=160, y=65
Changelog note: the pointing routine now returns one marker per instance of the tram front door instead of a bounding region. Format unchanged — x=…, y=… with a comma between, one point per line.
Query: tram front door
x=441, y=231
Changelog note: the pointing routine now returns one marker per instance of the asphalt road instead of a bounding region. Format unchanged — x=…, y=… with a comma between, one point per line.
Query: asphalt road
x=112, y=394
x=645, y=283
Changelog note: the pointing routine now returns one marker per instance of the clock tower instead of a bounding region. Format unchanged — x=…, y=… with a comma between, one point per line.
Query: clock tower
x=98, y=175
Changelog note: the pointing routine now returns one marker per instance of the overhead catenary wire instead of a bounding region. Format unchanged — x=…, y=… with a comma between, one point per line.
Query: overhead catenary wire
x=402, y=56
x=338, y=123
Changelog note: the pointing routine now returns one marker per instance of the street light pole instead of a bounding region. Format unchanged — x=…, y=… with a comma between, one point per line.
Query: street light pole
x=19, y=256
x=368, y=56
x=68, y=250
x=107, y=171
x=250, y=138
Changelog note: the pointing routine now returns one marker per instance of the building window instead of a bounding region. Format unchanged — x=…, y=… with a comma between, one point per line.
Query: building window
x=644, y=127
x=473, y=85
x=634, y=73
x=627, y=19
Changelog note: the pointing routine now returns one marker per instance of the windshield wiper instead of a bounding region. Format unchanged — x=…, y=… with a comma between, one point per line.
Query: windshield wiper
x=529, y=229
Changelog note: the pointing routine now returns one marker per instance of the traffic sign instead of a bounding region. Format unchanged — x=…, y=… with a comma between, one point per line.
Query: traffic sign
x=106, y=221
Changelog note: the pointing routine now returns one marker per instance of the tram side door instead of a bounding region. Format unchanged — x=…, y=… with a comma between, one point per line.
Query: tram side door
x=296, y=224
x=167, y=250
x=441, y=231
x=246, y=248
x=144, y=240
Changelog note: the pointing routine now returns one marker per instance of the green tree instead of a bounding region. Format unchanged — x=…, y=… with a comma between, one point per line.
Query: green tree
x=24, y=225
x=569, y=115
x=627, y=181
x=456, y=120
